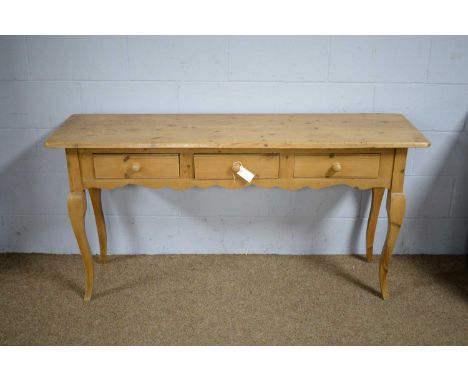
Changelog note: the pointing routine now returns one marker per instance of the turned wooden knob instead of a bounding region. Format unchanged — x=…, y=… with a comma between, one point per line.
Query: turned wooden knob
x=336, y=167
x=236, y=166
x=136, y=167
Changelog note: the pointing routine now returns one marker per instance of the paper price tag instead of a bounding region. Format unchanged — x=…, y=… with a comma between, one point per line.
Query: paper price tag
x=245, y=174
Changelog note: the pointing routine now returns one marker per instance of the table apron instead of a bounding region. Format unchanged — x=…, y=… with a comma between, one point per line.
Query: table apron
x=363, y=168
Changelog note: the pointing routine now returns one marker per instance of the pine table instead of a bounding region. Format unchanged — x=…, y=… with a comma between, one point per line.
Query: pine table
x=290, y=151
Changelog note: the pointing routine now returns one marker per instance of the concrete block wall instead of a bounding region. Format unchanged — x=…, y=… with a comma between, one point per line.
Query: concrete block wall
x=45, y=79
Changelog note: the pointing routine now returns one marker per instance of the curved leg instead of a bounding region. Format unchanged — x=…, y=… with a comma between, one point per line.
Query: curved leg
x=76, y=211
x=95, y=194
x=377, y=195
x=396, y=204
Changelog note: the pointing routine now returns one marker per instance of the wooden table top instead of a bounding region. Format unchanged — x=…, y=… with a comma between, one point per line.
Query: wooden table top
x=239, y=131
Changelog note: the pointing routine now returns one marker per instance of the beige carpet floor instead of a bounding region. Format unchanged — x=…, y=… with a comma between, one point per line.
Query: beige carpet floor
x=233, y=300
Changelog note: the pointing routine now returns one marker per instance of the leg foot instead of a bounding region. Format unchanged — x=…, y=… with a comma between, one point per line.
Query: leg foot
x=77, y=211
x=87, y=295
x=95, y=194
x=377, y=195
x=396, y=204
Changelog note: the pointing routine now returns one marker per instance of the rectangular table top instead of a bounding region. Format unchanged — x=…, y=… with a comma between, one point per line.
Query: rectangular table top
x=238, y=131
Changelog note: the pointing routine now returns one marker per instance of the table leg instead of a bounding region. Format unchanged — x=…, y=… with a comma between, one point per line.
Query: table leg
x=396, y=204
x=77, y=211
x=377, y=195
x=95, y=194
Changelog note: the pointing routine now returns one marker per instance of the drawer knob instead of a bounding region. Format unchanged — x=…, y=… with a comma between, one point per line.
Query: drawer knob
x=336, y=167
x=136, y=167
x=236, y=166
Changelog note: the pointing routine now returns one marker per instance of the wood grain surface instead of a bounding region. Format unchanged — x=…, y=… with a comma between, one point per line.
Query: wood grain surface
x=274, y=131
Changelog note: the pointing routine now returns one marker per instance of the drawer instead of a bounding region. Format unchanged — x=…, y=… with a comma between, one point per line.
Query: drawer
x=207, y=166
x=119, y=166
x=337, y=166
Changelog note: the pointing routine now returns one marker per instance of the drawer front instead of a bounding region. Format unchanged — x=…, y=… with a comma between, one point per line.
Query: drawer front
x=129, y=166
x=214, y=167
x=337, y=166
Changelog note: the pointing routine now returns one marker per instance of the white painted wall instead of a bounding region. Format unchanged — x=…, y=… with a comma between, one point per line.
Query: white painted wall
x=44, y=79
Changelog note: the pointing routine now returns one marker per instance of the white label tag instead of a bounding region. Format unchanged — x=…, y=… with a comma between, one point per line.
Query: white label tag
x=245, y=174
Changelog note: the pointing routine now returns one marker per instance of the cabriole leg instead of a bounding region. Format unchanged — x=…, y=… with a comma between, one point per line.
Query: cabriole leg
x=76, y=211
x=396, y=204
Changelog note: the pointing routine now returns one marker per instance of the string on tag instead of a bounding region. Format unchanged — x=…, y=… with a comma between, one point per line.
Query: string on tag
x=235, y=169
